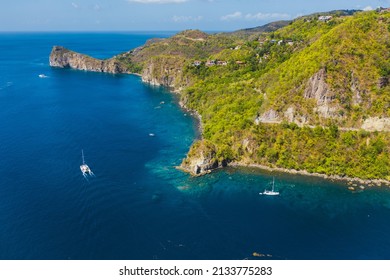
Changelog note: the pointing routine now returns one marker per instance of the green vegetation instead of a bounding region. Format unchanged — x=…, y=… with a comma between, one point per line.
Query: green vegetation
x=349, y=54
x=322, y=150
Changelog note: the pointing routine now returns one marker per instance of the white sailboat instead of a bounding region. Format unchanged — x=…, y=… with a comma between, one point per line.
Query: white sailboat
x=85, y=168
x=272, y=191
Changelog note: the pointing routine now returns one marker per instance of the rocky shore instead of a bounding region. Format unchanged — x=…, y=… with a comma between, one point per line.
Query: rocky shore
x=202, y=159
x=351, y=181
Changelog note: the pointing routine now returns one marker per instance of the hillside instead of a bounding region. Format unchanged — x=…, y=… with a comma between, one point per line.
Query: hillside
x=311, y=96
x=161, y=62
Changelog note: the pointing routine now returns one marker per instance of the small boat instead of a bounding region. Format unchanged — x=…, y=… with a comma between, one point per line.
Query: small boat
x=85, y=168
x=42, y=76
x=271, y=192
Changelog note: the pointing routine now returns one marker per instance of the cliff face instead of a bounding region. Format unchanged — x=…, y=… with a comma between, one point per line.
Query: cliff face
x=319, y=90
x=164, y=71
x=201, y=159
x=64, y=58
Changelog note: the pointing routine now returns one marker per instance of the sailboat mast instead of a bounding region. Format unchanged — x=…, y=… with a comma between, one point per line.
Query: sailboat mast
x=273, y=184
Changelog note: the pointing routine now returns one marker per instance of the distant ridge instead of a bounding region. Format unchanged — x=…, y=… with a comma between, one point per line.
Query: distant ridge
x=333, y=13
x=273, y=26
x=269, y=27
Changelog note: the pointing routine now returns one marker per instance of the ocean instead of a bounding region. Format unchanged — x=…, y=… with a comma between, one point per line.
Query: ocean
x=138, y=206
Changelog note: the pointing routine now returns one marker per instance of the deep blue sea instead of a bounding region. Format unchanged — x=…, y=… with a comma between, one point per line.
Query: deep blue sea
x=139, y=206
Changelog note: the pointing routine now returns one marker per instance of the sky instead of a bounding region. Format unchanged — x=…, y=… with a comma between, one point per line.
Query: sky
x=160, y=15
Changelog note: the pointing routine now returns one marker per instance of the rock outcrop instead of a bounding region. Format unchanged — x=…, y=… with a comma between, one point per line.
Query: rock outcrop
x=357, y=98
x=291, y=116
x=201, y=159
x=271, y=116
x=318, y=89
x=376, y=124
x=163, y=71
x=64, y=58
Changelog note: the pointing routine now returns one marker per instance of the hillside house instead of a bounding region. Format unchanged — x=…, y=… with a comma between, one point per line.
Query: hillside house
x=210, y=63
x=325, y=18
x=290, y=42
x=221, y=63
x=382, y=10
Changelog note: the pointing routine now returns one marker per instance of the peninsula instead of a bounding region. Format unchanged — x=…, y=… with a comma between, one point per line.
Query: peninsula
x=310, y=95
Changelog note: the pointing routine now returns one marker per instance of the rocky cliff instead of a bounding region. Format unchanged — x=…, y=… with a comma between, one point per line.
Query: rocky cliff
x=64, y=58
x=319, y=90
x=201, y=159
x=163, y=71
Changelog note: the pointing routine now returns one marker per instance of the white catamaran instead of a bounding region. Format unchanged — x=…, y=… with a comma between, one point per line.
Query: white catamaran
x=85, y=168
x=272, y=191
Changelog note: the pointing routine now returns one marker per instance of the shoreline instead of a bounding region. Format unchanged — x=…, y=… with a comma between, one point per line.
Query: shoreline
x=177, y=92
x=349, y=180
x=198, y=118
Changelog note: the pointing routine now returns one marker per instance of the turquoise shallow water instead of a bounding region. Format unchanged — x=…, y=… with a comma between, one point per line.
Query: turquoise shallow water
x=139, y=206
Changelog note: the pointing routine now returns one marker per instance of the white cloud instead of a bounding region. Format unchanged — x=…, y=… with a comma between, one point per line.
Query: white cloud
x=236, y=15
x=158, y=1
x=75, y=5
x=262, y=16
x=96, y=7
x=368, y=8
x=186, y=18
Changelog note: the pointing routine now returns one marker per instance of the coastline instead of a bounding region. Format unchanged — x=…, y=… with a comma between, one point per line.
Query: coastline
x=199, y=126
x=177, y=92
x=350, y=180
x=197, y=117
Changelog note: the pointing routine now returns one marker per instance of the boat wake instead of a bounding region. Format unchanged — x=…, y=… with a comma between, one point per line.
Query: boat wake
x=7, y=85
